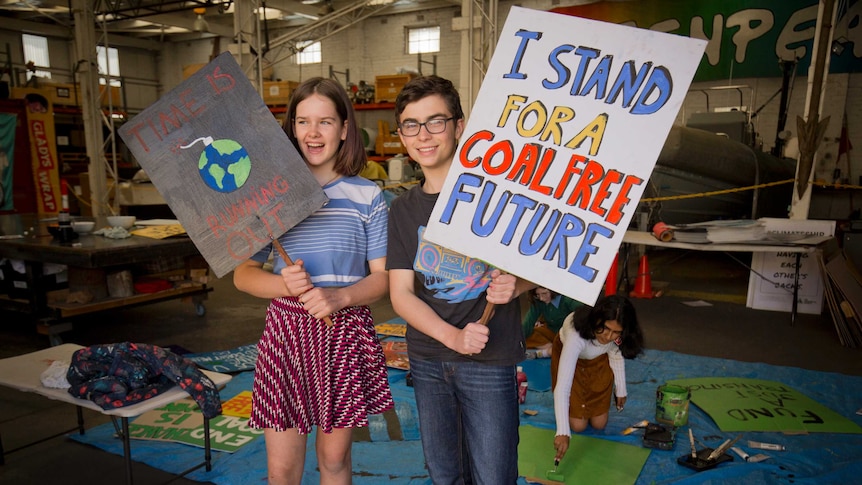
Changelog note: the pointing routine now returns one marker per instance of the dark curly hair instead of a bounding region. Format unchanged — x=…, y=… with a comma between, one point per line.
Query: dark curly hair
x=608, y=308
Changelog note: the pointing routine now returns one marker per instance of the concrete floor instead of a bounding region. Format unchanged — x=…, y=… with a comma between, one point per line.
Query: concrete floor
x=725, y=329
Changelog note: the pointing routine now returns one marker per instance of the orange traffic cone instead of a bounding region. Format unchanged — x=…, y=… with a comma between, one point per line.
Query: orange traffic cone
x=643, y=282
x=611, y=281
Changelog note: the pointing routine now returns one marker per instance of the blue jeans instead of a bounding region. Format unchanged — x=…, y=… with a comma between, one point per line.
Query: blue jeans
x=471, y=409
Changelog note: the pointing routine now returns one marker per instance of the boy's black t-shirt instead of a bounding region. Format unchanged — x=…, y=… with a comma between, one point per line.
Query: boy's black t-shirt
x=453, y=285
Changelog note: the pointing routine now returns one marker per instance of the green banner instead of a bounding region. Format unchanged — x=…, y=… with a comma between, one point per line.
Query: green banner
x=742, y=404
x=8, y=122
x=747, y=38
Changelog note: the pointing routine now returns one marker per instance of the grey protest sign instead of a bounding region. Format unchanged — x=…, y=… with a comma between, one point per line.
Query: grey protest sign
x=223, y=164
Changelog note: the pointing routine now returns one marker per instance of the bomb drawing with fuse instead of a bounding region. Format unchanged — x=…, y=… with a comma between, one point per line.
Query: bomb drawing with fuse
x=224, y=165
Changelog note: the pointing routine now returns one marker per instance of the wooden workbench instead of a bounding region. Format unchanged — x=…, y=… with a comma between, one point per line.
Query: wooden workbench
x=88, y=252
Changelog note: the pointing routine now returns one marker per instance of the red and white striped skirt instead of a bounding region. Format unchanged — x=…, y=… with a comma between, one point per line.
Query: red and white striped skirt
x=310, y=374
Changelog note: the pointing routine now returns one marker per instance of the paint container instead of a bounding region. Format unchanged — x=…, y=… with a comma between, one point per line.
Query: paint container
x=662, y=232
x=765, y=446
x=671, y=405
x=659, y=437
x=750, y=459
x=522, y=385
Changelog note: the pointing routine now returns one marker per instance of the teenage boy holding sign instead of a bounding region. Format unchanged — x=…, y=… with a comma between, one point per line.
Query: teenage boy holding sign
x=463, y=371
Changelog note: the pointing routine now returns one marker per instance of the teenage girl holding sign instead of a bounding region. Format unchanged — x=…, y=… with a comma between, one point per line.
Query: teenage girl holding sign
x=310, y=373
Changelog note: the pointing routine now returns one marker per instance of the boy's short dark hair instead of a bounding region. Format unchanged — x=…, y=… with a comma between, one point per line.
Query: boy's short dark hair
x=425, y=86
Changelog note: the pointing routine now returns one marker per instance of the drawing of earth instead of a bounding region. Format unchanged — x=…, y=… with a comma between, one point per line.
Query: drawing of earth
x=224, y=165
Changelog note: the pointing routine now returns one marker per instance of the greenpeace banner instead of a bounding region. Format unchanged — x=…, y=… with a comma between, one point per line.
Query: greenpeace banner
x=223, y=164
x=746, y=38
x=564, y=134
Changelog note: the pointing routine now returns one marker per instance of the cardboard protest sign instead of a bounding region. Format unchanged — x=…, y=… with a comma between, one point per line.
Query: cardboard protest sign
x=589, y=460
x=562, y=139
x=223, y=164
x=776, y=291
x=182, y=422
x=744, y=404
x=160, y=232
x=396, y=327
x=233, y=360
x=239, y=405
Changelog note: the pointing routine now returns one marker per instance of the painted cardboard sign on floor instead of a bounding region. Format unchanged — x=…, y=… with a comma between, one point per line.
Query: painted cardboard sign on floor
x=743, y=404
x=232, y=360
x=588, y=461
x=182, y=422
x=223, y=164
x=566, y=129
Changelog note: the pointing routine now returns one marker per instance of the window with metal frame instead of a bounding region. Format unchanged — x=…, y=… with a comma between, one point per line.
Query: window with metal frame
x=36, y=51
x=109, y=64
x=309, y=52
x=421, y=40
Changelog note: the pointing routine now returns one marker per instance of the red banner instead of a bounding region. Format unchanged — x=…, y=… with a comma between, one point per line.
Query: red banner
x=46, y=171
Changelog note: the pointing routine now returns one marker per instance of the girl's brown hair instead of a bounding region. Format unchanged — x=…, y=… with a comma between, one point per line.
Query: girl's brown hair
x=350, y=158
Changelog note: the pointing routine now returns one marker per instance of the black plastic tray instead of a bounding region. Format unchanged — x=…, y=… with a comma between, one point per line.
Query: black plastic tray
x=659, y=437
x=701, y=463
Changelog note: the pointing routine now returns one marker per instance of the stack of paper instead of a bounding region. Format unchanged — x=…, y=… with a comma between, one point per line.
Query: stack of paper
x=720, y=231
x=695, y=235
x=736, y=231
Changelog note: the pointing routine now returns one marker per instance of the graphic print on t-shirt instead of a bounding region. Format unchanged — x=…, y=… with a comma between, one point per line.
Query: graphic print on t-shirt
x=450, y=276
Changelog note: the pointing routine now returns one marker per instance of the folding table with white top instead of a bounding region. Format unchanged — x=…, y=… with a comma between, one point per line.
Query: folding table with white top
x=24, y=371
x=808, y=245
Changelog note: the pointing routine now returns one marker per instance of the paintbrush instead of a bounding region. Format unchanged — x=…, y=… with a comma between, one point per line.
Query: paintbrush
x=635, y=426
x=553, y=475
x=288, y=261
x=721, y=449
x=693, y=448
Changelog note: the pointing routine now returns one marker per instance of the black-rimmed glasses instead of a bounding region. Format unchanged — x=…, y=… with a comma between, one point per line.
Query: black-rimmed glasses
x=434, y=126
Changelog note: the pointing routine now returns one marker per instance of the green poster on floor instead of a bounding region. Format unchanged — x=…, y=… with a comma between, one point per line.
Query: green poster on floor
x=742, y=404
x=182, y=422
x=588, y=461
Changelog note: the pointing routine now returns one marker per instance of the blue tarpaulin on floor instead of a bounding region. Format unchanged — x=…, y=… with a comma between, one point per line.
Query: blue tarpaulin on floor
x=813, y=458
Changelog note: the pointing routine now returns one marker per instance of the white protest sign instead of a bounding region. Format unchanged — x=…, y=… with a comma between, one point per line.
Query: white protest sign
x=773, y=275
x=562, y=139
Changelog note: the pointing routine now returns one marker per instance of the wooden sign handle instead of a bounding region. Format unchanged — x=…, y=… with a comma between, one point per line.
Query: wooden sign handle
x=289, y=261
x=487, y=314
